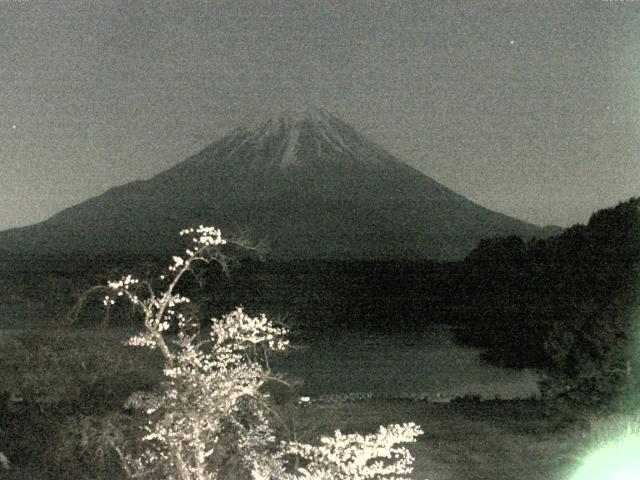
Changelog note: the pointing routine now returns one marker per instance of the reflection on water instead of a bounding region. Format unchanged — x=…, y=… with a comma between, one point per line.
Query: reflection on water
x=387, y=365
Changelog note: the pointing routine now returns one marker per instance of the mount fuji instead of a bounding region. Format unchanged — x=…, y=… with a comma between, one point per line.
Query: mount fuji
x=306, y=182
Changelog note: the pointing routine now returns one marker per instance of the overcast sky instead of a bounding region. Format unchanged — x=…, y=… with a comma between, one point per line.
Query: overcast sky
x=529, y=108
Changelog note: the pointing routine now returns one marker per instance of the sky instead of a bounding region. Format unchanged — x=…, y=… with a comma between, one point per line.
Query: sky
x=530, y=108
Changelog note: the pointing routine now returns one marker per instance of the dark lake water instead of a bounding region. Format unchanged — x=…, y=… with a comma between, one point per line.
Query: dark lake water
x=392, y=365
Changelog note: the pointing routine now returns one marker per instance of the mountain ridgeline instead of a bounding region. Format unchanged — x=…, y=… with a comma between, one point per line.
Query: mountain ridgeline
x=308, y=184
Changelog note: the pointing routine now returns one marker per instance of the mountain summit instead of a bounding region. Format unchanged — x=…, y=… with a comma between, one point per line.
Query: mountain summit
x=306, y=138
x=306, y=182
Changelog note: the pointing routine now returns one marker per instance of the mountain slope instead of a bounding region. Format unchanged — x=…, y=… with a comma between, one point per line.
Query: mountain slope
x=308, y=183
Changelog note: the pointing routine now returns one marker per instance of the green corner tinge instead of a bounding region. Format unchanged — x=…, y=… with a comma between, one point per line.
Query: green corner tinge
x=620, y=460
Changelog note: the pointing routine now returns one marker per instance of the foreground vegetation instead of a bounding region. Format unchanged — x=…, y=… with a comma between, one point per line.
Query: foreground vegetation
x=211, y=416
x=76, y=385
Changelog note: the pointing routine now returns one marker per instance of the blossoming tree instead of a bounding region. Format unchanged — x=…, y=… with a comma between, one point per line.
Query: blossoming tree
x=210, y=419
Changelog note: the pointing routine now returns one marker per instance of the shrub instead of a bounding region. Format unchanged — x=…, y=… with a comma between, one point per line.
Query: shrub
x=211, y=417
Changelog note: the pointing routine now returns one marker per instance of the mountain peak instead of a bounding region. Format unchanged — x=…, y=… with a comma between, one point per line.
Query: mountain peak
x=273, y=121
x=285, y=115
x=306, y=133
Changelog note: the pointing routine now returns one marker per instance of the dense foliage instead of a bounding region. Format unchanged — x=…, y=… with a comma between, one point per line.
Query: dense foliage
x=211, y=418
x=565, y=304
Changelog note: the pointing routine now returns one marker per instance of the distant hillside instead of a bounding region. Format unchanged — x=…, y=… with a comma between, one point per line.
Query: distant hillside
x=307, y=183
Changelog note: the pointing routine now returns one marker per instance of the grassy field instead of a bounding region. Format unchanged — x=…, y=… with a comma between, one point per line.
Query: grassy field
x=468, y=440
x=68, y=373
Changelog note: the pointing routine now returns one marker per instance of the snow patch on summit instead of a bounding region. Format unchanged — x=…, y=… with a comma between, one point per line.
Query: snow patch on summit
x=332, y=137
x=289, y=157
x=295, y=132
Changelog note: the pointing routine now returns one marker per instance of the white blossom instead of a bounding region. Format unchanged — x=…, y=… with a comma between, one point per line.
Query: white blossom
x=212, y=399
x=143, y=339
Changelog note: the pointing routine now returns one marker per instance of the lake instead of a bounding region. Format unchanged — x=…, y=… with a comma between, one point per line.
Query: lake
x=389, y=365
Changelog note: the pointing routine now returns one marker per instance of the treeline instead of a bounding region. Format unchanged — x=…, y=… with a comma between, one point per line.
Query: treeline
x=564, y=304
